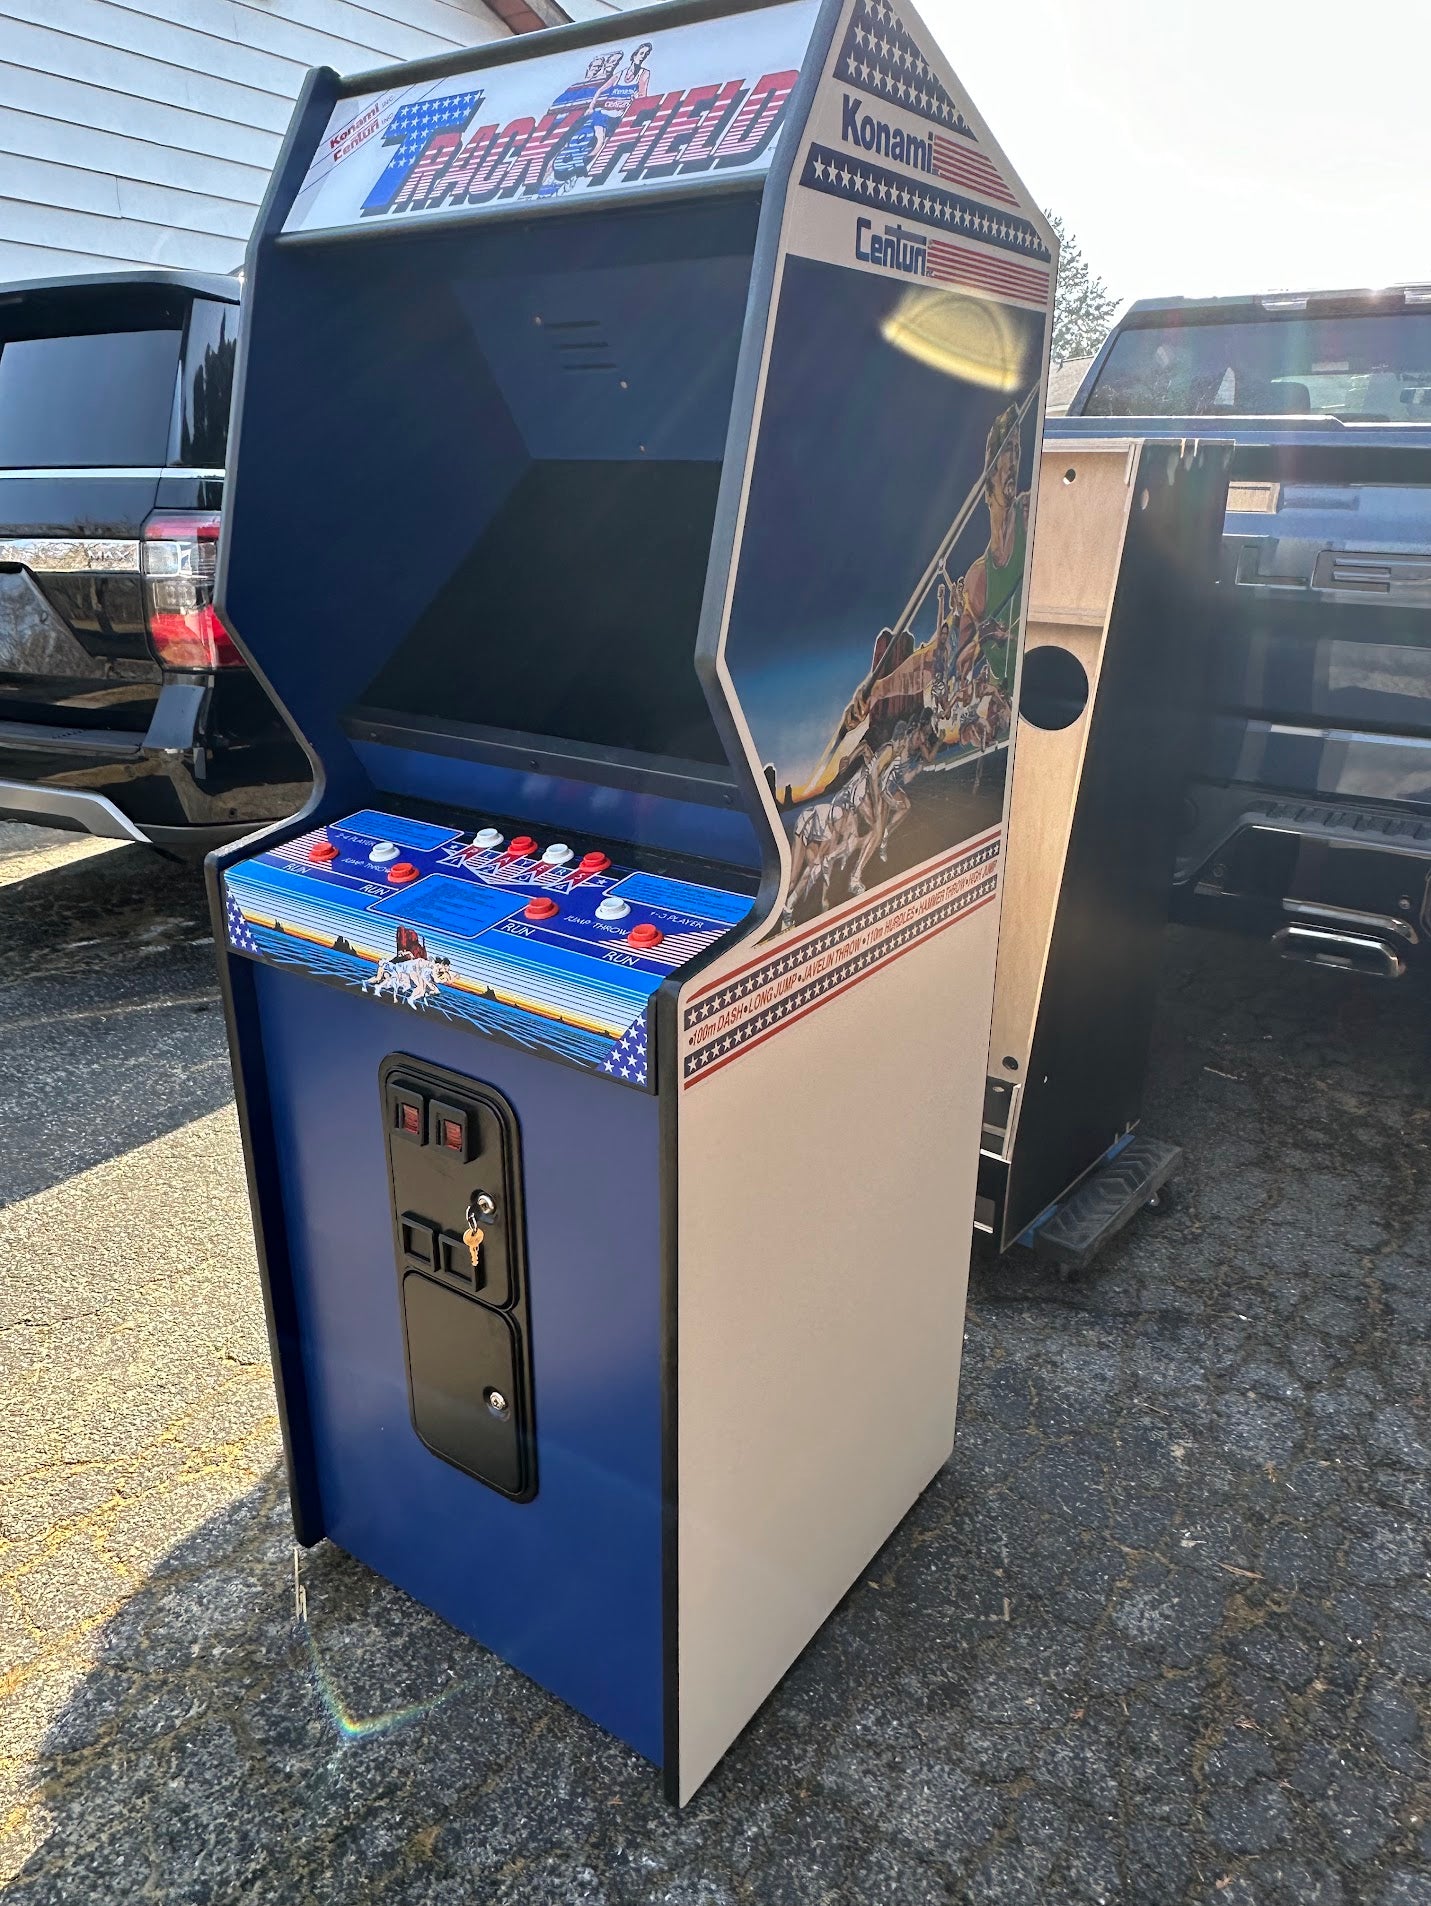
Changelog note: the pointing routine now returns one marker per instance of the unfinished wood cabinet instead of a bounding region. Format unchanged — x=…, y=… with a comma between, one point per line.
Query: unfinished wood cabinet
x=1115, y=651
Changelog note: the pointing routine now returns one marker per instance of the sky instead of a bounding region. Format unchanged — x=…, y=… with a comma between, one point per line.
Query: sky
x=1219, y=146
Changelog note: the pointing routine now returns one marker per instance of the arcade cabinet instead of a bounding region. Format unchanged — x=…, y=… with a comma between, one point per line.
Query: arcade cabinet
x=1115, y=669
x=620, y=410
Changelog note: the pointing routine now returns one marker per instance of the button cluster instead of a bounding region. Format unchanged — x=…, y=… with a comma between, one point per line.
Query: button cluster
x=385, y=857
x=643, y=936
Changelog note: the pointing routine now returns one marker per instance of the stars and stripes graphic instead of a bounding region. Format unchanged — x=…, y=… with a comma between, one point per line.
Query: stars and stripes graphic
x=956, y=265
x=747, y=1007
x=240, y=936
x=627, y=1058
x=416, y=119
x=962, y=164
x=881, y=55
x=412, y=128
x=827, y=170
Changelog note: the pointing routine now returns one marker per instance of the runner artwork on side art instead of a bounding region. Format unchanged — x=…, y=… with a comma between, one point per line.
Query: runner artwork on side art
x=911, y=758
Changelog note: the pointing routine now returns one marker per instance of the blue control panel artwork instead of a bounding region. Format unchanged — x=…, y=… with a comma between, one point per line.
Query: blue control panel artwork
x=540, y=944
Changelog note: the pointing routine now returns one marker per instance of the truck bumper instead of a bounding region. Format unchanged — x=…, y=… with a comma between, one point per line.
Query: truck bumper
x=78, y=810
x=184, y=786
x=74, y=809
x=1345, y=884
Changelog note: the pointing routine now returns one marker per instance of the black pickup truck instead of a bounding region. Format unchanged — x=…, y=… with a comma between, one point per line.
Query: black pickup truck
x=124, y=708
x=1309, y=814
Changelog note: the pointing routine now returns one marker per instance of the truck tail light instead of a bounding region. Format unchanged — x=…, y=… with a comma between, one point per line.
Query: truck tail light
x=178, y=559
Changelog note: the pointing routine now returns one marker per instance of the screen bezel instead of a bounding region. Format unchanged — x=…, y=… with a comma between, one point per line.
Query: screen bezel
x=705, y=782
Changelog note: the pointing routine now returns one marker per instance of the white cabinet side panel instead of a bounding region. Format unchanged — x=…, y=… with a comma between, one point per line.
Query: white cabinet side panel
x=828, y=1181
x=832, y=1066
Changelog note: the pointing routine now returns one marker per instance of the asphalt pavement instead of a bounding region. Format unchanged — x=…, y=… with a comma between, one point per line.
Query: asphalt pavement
x=1160, y=1632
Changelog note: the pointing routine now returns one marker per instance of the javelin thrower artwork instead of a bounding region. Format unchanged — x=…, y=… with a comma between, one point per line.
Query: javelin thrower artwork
x=967, y=663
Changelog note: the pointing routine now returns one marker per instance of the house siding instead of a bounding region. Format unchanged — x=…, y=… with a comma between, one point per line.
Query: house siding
x=142, y=132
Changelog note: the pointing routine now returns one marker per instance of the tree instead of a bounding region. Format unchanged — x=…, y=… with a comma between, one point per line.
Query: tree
x=1083, y=307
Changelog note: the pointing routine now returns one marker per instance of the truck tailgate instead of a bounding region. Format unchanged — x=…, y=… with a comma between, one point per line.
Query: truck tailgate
x=1325, y=600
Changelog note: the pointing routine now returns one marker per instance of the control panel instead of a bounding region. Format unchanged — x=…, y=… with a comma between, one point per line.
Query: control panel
x=547, y=944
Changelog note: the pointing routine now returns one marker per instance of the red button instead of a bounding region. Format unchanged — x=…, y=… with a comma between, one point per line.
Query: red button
x=594, y=863
x=401, y=872
x=521, y=844
x=644, y=934
x=540, y=908
x=322, y=850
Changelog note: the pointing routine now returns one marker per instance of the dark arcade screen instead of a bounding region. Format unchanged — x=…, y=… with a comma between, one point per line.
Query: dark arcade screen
x=574, y=614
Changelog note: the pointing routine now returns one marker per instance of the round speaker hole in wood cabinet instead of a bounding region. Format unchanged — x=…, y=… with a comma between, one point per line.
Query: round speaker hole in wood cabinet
x=1054, y=690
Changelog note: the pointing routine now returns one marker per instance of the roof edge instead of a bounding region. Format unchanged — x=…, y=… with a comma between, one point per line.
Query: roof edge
x=207, y=284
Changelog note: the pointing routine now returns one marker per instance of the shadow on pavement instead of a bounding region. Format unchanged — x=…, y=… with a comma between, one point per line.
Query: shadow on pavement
x=220, y=1751
x=109, y=1014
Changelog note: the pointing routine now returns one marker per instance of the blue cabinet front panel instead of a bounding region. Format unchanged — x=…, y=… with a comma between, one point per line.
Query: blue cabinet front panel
x=567, y=1587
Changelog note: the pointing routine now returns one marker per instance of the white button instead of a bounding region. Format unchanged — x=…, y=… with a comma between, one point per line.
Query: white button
x=384, y=852
x=612, y=908
x=558, y=854
x=487, y=837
